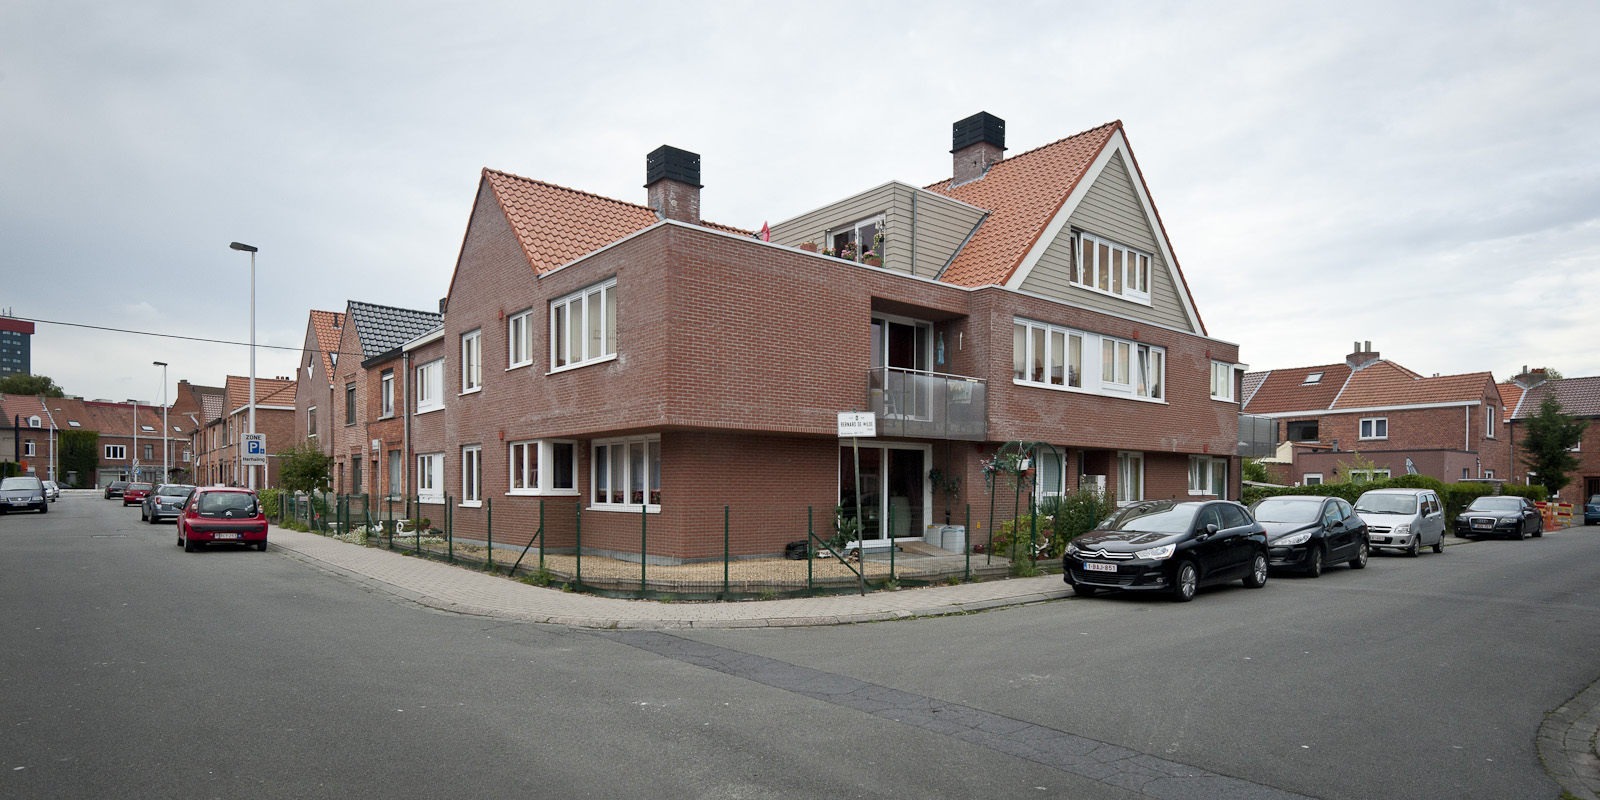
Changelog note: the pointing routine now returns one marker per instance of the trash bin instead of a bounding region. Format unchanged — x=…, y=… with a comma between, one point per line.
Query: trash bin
x=953, y=537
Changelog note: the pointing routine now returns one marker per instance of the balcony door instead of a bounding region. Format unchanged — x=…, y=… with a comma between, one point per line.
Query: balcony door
x=902, y=347
x=895, y=496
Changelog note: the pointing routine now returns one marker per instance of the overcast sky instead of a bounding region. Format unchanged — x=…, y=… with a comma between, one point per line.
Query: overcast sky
x=1426, y=178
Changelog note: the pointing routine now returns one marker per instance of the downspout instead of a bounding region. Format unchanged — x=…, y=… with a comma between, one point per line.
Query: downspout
x=914, y=256
x=405, y=424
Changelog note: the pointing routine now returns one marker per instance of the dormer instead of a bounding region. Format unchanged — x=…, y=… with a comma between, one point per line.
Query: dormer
x=895, y=226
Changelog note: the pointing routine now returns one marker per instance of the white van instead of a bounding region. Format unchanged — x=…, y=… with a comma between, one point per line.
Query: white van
x=1402, y=519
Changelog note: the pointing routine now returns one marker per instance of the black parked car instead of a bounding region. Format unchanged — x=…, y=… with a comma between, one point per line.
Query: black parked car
x=21, y=493
x=1501, y=515
x=166, y=502
x=115, y=489
x=1306, y=533
x=1162, y=545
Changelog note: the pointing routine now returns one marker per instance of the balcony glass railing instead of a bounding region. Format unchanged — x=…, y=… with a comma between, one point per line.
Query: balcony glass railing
x=928, y=405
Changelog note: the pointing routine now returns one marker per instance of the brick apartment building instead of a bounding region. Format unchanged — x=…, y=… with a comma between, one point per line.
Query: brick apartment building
x=363, y=427
x=1449, y=426
x=216, y=447
x=650, y=365
x=1579, y=399
x=314, y=395
x=130, y=437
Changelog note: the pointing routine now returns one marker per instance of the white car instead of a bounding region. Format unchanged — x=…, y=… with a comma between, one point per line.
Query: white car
x=52, y=491
x=1403, y=519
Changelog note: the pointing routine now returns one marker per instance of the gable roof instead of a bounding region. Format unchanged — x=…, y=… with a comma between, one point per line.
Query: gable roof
x=1282, y=390
x=1579, y=397
x=1510, y=394
x=326, y=325
x=383, y=328
x=1252, y=384
x=269, y=392
x=1384, y=383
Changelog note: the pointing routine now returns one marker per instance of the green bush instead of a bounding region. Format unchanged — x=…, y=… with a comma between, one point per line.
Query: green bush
x=269, y=501
x=1535, y=492
x=1455, y=496
x=10, y=469
x=1061, y=519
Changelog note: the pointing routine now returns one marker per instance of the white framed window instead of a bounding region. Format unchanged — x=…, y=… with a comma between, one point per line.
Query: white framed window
x=1375, y=427
x=1047, y=355
x=1050, y=474
x=430, y=386
x=472, y=475
x=1488, y=422
x=1130, y=477
x=626, y=473
x=1208, y=476
x=116, y=452
x=1488, y=473
x=1221, y=381
x=1130, y=367
x=149, y=452
x=1311, y=479
x=430, y=477
x=27, y=447
x=543, y=467
x=395, y=487
x=1117, y=270
x=1312, y=379
x=35, y=422
x=472, y=361
x=583, y=327
x=311, y=424
x=147, y=429
x=519, y=339
x=350, y=403
x=72, y=423
x=386, y=392
x=856, y=241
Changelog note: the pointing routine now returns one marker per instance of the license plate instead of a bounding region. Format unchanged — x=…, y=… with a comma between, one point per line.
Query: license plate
x=224, y=535
x=1482, y=523
x=1094, y=567
x=19, y=502
x=1381, y=539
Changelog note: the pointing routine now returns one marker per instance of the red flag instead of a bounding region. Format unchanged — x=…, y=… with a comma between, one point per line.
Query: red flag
x=766, y=233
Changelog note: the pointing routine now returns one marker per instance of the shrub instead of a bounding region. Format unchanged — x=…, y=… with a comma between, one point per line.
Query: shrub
x=1535, y=492
x=270, y=499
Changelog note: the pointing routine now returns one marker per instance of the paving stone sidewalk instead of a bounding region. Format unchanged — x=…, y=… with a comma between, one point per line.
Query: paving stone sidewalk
x=465, y=591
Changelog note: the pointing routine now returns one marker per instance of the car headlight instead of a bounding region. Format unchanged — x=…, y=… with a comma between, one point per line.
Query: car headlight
x=1293, y=539
x=1072, y=549
x=1402, y=530
x=1157, y=553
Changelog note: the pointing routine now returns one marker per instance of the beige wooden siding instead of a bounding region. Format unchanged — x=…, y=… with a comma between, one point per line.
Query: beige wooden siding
x=1111, y=209
x=942, y=225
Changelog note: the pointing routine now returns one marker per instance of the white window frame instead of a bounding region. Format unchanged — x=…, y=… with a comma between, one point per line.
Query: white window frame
x=430, y=386
x=311, y=425
x=472, y=476
x=519, y=339
x=1368, y=432
x=430, y=478
x=1125, y=362
x=1312, y=379
x=1127, y=462
x=537, y=475
x=1136, y=273
x=854, y=231
x=116, y=452
x=1053, y=337
x=27, y=447
x=651, y=477
x=1222, y=381
x=1488, y=422
x=1488, y=474
x=561, y=311
x=386, y=393
x=35, y=422
x=1204, y=475
x=1311, y=479
x=472, y=361
x=1041, y=491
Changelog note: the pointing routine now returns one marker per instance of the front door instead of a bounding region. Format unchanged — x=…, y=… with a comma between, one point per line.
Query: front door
x=894, y=491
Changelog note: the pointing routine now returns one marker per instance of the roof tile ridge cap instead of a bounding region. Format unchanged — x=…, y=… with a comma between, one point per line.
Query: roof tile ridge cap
x=1263, y=382
x=1334, y=403
x=1116, y=124
x=488, y=171
x=395, y=308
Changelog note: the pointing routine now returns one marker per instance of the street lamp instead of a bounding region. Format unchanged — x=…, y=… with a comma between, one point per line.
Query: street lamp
x=244, y=248
x=166, y=469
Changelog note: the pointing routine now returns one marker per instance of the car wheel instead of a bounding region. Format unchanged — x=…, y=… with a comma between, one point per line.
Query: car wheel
x=44, y=508
x=1187, y=583
x=1258, y=572
x=262, y=546
x=1314, y=569
x=1415, y=548
x=188, y=545
x=1460, y=534
x=1521, y=534
x=1538, y=530
x=1360, y=561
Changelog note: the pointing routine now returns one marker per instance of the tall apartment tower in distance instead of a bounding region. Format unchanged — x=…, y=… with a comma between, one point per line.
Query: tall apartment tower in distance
x=16, y=347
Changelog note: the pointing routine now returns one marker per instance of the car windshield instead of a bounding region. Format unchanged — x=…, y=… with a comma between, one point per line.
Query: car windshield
x=19, y=483
x=138, y=487
x=174, y=491
x=1374, y=503
x=218, y=502
x=1595, y=501
x=1161, y=517
x=1275, y=510
x=1496, y=504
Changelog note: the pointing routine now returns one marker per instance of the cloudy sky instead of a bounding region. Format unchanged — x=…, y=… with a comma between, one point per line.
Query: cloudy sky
x=1425, y=177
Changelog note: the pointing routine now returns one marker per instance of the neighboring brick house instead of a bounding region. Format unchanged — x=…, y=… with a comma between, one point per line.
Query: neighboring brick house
x=369, y=332
x=647, y=364
x=275, y=417
x=425, y=438
x=314, y=381
x=1449, y=426
x=1579, y=399
x=130, y=436
x=194, y=406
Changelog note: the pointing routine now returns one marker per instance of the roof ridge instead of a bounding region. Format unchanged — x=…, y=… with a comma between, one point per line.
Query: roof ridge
x=487, y=171
x=1116, y=123
x=394, y=308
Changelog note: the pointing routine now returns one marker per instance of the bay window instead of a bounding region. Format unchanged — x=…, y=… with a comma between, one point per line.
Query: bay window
x=626, y=473
x=583, y=326
x=543, y=467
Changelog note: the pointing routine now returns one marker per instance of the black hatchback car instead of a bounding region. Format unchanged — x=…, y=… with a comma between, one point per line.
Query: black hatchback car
x=1167, y=546
x=1500, y=515
x=115, y=489
x=1306, y=533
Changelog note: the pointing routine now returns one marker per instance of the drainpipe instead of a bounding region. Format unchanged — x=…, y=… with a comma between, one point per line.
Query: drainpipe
x=1466, y=428
x=405, y=424
x=914, y=245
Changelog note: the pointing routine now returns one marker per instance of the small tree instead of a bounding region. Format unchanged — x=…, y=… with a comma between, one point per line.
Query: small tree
x=1356, y=469
x=80, y=454
x=303, y=468
x=1256, y=471
x=30, y=384
x=1547, y=448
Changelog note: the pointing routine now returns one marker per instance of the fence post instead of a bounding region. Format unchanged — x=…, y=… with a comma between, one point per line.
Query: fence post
x=724, y=552
x=578, y=550
x=541, y=535
x=488, y=528
x=891, y=545
x=809, y=534
x=644, y=523
x=966, y=543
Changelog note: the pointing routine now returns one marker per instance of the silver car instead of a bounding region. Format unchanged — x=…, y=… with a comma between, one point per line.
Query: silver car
x=52, y=491
x=1403, y=519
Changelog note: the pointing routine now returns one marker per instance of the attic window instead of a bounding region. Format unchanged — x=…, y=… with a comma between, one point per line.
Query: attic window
x=33, y=421
x=176, y=429
x=1313, y=378
x=73, y=423
x=859, y=241
x=1115, y=269
x=147, y=429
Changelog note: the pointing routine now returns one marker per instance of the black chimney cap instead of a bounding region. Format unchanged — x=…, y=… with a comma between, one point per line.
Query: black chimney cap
x=980, y=127
x=670, y=163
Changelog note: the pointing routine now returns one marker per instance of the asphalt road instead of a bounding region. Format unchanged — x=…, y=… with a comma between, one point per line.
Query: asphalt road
x=131, y=669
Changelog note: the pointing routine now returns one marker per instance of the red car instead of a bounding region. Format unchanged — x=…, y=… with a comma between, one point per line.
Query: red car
x=226, y=515
x=135, y=493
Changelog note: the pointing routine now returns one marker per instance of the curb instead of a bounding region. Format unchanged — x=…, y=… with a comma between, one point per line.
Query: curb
x=1567, y=744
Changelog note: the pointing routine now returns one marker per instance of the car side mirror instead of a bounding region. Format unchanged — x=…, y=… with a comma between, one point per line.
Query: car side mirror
x=1210, y=529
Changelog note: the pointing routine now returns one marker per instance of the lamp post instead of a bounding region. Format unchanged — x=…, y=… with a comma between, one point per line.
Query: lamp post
x=244, y=248
x=166, y=468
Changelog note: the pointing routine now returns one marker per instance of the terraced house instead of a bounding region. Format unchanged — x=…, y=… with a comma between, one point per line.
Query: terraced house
x=653, y=367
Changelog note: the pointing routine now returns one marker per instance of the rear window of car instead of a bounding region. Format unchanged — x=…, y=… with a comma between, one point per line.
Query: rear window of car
x=20, y=483
x=139, y=487
x=221, y=502
x=175, y=491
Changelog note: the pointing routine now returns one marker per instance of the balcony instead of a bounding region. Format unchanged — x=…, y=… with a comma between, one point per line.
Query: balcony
x=928, y=405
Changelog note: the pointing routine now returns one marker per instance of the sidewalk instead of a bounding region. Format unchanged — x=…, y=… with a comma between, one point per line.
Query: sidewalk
x=465, y=591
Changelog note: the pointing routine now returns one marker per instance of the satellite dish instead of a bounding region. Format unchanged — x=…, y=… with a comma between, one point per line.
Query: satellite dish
x=1411, y=469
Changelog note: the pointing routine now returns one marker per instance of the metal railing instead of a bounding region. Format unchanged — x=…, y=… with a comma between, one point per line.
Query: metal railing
x=928, y=405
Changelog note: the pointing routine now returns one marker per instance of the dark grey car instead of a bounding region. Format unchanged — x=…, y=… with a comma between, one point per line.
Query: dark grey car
x=23, y=493
x=166, y=502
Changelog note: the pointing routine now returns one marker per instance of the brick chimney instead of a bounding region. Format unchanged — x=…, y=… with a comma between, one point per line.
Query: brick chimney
x=672, y=178
x=1362, y=356
x=976, y=144
x=1530, y=378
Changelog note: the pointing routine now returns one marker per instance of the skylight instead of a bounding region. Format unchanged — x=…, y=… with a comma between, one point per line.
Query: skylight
x=147, y=429
x=1315, y=377
x=74, y=423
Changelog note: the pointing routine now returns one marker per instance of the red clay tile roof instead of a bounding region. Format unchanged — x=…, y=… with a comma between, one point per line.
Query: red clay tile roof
x=1286, y=389
x=1252, y=383
x=1384, y=383
x=269, y=392
x=556, y=225
x=1579, y=397
x=1022, y=194
x=1510, y=393
x=112, y=419
x=326, y=324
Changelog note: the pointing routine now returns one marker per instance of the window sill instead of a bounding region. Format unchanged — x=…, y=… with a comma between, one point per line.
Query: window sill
x=431, y=501
x=625, y=509
x=428, y=410
x=1138, y=301
x=518, y=366
x=470, y=504
x=384, y=417
x=1224, y=399
x=582, y=364
x=542, y=493
x=1372, y=438
x=473, y=390
x=1121, y=394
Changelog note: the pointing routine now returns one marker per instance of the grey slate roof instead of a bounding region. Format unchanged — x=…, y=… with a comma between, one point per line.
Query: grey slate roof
x=1579, y=397
x=383, y=328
